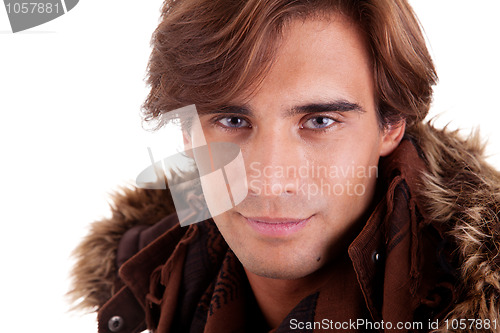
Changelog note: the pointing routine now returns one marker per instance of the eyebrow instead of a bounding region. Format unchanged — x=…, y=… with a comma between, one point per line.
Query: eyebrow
x=229, y=109
x=334, y=106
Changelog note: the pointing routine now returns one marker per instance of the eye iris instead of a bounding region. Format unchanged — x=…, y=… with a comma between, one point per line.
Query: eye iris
x=321, y=121
x=234, y=121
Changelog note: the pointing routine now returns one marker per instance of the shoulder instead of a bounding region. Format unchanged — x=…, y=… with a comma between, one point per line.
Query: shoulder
x=460, y=193
x=135, y=214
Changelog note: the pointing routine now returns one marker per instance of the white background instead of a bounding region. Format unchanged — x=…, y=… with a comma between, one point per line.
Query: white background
x=70, y=131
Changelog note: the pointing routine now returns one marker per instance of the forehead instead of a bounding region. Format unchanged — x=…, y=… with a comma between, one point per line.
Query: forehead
x=333, y=38
x=317, y=60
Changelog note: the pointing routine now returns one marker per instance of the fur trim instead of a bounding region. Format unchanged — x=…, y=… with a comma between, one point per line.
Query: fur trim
x=95, y=273
x=462, y=192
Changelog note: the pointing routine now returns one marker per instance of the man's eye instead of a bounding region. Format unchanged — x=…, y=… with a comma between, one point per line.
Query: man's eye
x=318, y=123
x=233, y=122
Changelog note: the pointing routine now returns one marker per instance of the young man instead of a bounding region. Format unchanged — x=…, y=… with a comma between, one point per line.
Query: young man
x=392, y=227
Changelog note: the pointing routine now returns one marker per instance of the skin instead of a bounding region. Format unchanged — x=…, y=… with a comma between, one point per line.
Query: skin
x=295, y=119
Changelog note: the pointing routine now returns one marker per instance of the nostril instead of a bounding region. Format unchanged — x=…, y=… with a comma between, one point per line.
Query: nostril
x=289, y=189
x=254, y=186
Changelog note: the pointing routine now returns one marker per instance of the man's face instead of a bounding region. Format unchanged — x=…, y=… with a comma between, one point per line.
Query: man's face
x=311, y=143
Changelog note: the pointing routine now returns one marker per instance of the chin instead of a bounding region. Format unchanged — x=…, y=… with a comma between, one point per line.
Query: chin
x=281, y=268
x=283, y=258
x=279, y=275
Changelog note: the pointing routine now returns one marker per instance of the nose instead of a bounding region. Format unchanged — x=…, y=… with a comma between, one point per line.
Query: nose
x=274, y=161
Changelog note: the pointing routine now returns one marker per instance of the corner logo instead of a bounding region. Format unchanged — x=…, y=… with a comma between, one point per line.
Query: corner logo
x=28, y=14
x=205, y=180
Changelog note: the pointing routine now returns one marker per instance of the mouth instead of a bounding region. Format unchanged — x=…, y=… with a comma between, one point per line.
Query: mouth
x=276, y=227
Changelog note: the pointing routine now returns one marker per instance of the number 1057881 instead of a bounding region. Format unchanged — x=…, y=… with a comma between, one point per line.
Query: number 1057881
x=33, y=8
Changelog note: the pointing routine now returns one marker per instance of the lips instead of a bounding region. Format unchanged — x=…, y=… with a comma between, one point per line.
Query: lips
x=276, y=227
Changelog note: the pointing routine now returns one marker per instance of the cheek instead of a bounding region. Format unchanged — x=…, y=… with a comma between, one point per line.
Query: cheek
x=348, y=176
x=228, y=227
x=353, y=160
x=363, y=153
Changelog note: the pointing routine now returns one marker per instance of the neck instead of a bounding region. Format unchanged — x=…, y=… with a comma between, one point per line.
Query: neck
x=277, y=298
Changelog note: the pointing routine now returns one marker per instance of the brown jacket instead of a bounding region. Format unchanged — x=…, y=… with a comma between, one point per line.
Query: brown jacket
x=429, y=251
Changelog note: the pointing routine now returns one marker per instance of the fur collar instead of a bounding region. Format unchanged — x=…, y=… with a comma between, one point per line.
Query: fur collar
x=460, y=193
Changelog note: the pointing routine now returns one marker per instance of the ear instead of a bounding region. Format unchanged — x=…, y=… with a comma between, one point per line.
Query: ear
x=391, y=137
x=188, y=143
x=186, y=139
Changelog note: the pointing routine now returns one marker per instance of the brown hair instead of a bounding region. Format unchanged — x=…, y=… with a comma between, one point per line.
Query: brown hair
x=206, y=52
